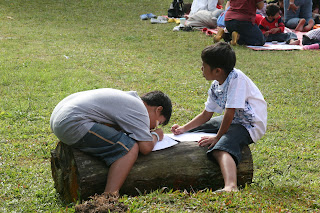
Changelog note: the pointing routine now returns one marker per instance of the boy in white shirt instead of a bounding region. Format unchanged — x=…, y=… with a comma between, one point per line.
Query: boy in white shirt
x=245, y=112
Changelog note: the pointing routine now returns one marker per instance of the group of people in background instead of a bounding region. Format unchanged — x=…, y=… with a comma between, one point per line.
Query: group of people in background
x=254, y=22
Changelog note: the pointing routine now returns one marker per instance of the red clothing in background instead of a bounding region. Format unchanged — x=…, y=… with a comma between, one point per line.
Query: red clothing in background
x=242, y=10
x=266, y=25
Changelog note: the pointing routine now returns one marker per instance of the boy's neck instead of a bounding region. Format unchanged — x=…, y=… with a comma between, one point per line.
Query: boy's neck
x=222, y=78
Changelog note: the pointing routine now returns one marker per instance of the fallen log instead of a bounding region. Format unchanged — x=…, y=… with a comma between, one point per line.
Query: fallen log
x=77, y=175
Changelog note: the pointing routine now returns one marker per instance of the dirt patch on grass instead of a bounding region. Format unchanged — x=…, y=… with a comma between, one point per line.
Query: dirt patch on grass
x=101, y=203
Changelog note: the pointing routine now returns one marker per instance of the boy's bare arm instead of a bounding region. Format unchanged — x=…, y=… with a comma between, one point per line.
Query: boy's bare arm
x=226, y=121
x=225, y=124
x=227, y=5
x=145, y=147
x=203, y=117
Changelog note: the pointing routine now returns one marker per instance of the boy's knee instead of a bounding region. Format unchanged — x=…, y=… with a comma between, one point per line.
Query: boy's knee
x=135, y=148
x=134, y=151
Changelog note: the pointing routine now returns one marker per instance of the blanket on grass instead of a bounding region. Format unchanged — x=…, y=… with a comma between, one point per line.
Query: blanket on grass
x=278, y=46
x=281, y=45
x=267, y=45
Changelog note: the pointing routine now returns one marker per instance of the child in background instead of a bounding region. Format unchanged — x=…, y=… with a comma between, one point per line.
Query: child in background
x=245, y=117
x=272, y=27
x=311, y=39
x=280, y=4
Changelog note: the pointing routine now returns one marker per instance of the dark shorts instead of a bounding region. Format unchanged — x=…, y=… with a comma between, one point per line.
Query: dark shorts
x=307, y=41
x=232, y=141
x=106, y=143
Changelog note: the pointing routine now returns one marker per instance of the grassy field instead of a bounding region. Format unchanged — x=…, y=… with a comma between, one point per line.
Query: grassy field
x=50, y=49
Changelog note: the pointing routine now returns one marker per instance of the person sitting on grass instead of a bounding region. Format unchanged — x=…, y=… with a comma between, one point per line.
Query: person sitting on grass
x=272, y=27
x=311, y=40
x=240, y=23
x=112, y=125
x=245, y=112
x=298, y=15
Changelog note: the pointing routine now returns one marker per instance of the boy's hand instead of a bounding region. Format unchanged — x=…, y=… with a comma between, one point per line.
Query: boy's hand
x=274, y=30
x=177, y=130
x=208, y=141
x=160, y=133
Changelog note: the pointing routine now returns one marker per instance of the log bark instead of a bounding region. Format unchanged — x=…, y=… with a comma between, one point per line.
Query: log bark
x=184, y=166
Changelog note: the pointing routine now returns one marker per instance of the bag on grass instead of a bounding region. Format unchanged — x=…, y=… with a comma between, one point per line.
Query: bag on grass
x=176, y=9
x=220, y=20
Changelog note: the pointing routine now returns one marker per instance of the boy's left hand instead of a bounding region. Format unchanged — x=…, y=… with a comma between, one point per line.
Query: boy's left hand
x=208, y=141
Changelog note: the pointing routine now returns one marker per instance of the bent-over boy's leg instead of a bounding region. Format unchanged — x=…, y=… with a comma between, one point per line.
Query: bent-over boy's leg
x=115, y=148
x=120, y=169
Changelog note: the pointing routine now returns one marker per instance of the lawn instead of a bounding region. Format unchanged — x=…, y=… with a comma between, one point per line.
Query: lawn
x=50, y=49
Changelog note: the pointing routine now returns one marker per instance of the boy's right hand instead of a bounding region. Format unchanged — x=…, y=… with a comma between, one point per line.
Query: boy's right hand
x=177, y=130
x=160, y=133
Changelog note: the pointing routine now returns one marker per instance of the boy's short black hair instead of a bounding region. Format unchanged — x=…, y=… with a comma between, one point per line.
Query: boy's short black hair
x=220, y=55
x=158, y=98
x=272, y=9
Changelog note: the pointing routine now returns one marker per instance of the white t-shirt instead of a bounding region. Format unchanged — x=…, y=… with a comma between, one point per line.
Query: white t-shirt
x=74, y=116
x=239, y=92
x=209, y=5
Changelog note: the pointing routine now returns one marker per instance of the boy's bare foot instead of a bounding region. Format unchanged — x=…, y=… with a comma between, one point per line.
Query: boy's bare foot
x=230, y=189
x=294, y=42
x=300, y=25
x=309, y=26
x=226, y=189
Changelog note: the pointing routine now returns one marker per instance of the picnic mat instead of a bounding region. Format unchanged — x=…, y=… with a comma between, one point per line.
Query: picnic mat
x=278, y=46
x=267, y=45
x=281, y=45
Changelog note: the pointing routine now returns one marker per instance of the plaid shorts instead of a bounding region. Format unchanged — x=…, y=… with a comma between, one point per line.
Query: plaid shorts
x=105, y=142
x=232, y=141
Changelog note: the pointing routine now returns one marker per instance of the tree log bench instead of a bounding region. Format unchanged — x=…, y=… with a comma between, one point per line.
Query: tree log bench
x=77, y=175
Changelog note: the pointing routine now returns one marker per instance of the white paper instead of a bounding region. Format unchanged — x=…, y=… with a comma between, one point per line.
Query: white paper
x=165, y=143
x=190, y=136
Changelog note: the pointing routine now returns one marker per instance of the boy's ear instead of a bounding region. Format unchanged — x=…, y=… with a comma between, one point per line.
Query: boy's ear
x=159, y=109
x=220, y=71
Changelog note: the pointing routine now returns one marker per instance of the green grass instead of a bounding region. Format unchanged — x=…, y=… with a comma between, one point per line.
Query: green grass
x=50, y=49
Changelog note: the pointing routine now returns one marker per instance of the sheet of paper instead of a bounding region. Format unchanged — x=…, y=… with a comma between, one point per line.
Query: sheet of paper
x=190, y=136
x=165, y=143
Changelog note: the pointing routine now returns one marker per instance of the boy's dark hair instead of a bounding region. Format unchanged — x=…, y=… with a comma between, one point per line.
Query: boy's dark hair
x=272, y=9
x=220, y=55
x=158, y=98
